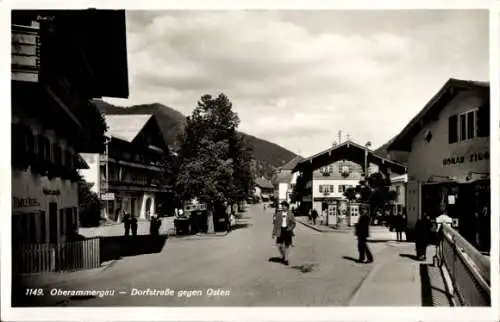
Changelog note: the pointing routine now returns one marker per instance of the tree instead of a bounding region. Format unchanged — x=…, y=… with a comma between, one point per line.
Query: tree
x=89, y=204
x=214, y=163
x=375, y=191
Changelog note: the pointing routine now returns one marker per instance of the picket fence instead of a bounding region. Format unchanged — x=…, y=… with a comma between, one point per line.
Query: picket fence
x=70, y=256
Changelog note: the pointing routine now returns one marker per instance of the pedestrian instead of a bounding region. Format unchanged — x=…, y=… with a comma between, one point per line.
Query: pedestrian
x=283, y=226
x=400, y=225
x=423, y=233
x=314, y=215
x=126, y=224
x=133, y=225
x=154, y=226
x=363, y=232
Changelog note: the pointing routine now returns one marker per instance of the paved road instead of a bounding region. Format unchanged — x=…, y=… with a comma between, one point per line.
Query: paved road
x=237, y=264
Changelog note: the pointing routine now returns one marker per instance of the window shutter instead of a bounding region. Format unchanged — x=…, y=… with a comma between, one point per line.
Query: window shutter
x=483, y=120
x=452, y=129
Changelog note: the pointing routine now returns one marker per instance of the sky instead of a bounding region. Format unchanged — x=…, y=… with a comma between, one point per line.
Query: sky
x=296, y=78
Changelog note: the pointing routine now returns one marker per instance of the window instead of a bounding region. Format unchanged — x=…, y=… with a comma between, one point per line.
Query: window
x=69, y=220
x=332, y=188
x=464, y=126
x=342, y=188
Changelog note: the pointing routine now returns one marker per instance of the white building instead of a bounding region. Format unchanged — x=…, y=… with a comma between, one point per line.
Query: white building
x=283, y=180
x=398, y=185
x=449, y=159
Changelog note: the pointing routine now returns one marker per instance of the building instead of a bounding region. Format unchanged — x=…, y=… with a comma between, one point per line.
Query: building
x=284, y=179
x=128, y=174
x=60, y=60
x=263, y=189
x=449, y=160
x=398, y=185
x=325, y=176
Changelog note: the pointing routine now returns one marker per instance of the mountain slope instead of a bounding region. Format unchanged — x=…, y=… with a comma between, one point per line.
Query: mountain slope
x=398, y=156
x=266, y=154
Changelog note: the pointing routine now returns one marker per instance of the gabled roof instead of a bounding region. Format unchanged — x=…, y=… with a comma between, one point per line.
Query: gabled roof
x=263, y=183
x=126, y=126
x=290, y=165
x=430, y=111
x=348, y=143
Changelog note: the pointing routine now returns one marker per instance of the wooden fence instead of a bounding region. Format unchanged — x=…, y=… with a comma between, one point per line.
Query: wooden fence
x=70, y=256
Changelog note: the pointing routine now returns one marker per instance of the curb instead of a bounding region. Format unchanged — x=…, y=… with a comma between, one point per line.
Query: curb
x=366, y=279
x=331, y=230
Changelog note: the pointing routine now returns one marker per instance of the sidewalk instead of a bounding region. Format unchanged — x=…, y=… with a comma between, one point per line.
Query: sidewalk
x=398, y=280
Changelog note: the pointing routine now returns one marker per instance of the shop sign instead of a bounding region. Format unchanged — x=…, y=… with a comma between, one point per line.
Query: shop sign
x=109, y=196
x=18, y=203
x=471, y=158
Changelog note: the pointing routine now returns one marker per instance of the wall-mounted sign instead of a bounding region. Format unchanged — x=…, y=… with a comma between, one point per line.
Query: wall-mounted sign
x=109, y=196
x=451, y=199
x=51, y=192
x=24, y=202
x=473, y=157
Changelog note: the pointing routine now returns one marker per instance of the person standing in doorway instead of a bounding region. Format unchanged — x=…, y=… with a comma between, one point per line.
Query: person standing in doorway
x=363, y=232
x=133, y=225
x=283, y=226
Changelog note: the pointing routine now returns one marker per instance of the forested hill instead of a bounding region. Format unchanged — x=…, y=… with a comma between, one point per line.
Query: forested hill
x=267, y=154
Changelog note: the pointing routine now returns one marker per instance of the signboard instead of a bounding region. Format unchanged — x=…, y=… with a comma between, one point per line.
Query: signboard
x=25, y=60
x=109, y=196
x=451, y=199
x=473, y=157
x=18, y=203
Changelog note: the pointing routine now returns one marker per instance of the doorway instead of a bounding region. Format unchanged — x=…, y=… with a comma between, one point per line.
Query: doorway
x=53, y=220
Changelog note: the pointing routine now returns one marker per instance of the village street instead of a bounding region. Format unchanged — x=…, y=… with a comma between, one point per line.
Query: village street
x=238, y=264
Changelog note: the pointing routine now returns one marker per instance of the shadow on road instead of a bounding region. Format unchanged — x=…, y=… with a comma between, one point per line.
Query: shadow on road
x=241, y=225
x=410, y=256
x=350, y=258
x=305, y=268
x=116, y=247
x=425, y=286
x=275, y=260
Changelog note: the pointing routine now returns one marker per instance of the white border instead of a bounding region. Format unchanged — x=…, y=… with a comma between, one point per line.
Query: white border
x=246, y=313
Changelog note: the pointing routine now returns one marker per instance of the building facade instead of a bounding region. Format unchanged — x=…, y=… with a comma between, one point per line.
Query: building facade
x=284, y=179
x=449, y=161
x=55, y=72
x=327, y=175
x=398, y=185
x=128, y=176
x=263, y=189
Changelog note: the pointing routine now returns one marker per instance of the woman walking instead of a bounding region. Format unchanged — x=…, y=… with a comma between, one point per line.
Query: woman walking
x=283, y=226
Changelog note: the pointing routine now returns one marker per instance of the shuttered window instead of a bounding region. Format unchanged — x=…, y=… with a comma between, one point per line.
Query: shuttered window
x=453, y=129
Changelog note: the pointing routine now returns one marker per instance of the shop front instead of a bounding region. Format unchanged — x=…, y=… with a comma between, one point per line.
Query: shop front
x=449, y=160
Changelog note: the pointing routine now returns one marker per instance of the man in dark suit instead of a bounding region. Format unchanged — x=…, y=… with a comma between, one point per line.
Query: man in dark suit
x=363, y=232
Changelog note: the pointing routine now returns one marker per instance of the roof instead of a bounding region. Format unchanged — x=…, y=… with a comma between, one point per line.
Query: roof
x=263, y=183
x=126, y=126
x=290, y=165
x=449, y=90
x=347, y=143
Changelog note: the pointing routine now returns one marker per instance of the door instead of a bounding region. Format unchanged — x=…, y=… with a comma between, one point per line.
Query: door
x=53, y=222
x=413, y=193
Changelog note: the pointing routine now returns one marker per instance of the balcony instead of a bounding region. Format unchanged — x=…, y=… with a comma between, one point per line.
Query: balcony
x=151, y=166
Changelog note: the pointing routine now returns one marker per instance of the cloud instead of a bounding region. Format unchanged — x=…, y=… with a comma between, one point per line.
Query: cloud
x=298, y=77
